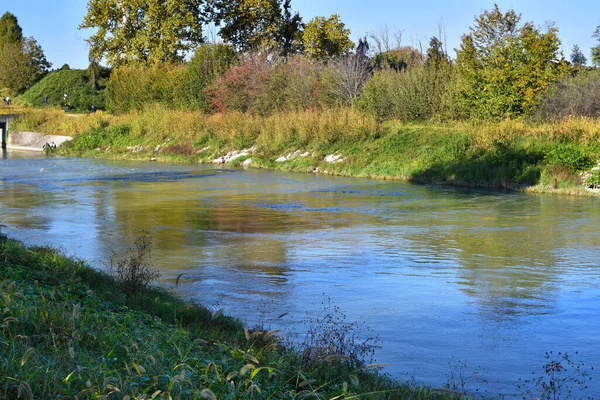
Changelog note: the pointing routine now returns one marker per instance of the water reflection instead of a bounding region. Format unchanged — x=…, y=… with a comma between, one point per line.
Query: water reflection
x=438, y=273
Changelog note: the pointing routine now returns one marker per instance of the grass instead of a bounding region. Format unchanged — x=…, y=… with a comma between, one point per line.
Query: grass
x=69, y=331
x=512, y=154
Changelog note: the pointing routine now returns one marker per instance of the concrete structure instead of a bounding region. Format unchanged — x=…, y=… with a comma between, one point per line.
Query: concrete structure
x=31, y=141
x=4, y=125
x=34, y=141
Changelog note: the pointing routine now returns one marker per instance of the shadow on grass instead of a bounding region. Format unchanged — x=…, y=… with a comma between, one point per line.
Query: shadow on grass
x=499, y=167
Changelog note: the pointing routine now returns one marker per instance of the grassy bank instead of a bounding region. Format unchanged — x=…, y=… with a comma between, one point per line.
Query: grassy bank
x=554, y=157
x=69, y=331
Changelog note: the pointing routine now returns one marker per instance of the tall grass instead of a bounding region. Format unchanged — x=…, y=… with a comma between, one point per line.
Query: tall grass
x=514, y=153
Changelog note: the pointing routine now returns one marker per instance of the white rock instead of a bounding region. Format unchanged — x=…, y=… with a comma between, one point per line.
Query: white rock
x=236, y=156
x=305, y=154
x=247, y=162
x=281, y=159
x=333, y=158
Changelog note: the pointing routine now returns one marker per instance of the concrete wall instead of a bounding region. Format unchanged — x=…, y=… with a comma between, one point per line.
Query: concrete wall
x=33, y=141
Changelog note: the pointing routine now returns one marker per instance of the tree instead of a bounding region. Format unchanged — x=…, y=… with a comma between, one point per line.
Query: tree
x=503, y=66
x=326, y=38
x=399, y=58
x=22, y=64
x=10, y=31
x=258, y=24
x=596, y=49
x=436, y=56
x=577, y=57
x=147, y=32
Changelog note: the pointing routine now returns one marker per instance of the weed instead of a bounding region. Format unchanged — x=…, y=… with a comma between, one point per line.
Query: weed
x=563, y=378
x=332, y=339
x=134, y=271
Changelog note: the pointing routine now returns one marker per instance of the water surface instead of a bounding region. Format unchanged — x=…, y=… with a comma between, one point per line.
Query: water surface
x=444, y=277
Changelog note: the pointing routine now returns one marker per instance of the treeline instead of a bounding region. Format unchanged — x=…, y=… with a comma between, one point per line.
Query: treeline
x=271, y=61
x=504, y=68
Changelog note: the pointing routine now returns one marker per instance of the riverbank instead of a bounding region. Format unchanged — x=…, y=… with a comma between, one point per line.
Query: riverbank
x=560, y=157
x=71, y=331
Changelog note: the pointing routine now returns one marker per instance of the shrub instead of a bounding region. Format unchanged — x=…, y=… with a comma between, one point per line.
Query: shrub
x=578, y=95
x=408, y=95
x=208, y=63
x=240, y=86
x=134, y=87
x=134, y=271
x=569, y=155
x=593, y=181
x=331, y=338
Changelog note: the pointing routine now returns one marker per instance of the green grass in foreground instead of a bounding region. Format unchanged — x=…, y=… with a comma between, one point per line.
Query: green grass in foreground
x=69, y=331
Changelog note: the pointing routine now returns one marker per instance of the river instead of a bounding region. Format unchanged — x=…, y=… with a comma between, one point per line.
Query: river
x=453, y=281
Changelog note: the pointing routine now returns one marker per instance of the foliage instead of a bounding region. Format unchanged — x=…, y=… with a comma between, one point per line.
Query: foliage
x=240, y=86
x=10, y=30
x=572, y=96
x=144, y=32
x=503, y=65
x=22, y=61
x=593, y=180
x=326, y=38
x=398, y=59
x=569, y=155
x=252, y=25
x=134, y=271
x=408, y=95
x=436, y=56
x=596, y=49
x=22, y=64
x=577, y=57
x=208, y=63
x=73, y=82
x=133, y=87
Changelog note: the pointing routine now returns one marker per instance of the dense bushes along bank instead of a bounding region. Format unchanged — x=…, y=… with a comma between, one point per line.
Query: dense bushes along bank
x=69, y=331
x=514, y=154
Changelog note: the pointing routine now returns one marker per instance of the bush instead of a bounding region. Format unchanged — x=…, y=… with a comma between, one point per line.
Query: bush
x=240, y=86
x=209, y=62
x=133, y=87
x=569, y=155
x=73, y=82
x=414, y=94
x=573, y=96
x=134, y=271
x=331, y=339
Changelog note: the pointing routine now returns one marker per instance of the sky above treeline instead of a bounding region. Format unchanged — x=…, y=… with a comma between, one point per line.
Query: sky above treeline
x=54, y=22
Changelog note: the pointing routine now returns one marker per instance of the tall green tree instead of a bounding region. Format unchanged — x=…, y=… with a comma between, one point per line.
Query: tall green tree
x=596, y=49
x=326, y=38
x=577, y=57
x=143, y=31
x=436, y=56
x=503, y=65
x=22, y=64
x=258, y=24
x=10, y=31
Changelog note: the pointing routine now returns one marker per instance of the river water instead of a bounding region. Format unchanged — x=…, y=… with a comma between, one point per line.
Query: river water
x=454, y=282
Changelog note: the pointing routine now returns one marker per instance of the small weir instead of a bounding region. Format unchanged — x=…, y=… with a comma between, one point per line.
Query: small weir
x=28, y=141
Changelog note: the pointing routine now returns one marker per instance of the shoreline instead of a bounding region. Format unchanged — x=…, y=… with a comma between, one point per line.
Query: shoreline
x=86, y=329
x=555, y=158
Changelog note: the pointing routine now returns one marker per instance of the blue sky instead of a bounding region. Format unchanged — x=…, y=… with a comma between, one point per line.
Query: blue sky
x=54, y=22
